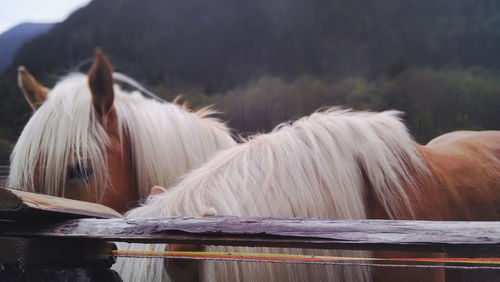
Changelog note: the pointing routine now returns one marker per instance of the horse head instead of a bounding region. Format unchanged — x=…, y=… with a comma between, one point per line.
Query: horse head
x=87, y=159
x=90, y=140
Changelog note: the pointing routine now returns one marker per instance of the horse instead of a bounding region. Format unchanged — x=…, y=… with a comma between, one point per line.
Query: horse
x=88, y=139
x=335, y=163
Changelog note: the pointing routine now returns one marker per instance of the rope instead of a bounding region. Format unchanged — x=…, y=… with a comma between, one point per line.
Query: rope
x=125, y=79
x=322, y=260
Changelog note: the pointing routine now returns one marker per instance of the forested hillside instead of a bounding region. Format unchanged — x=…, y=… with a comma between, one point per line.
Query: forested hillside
x=264, y=62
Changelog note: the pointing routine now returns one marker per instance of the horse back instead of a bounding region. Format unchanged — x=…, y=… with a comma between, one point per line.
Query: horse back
x=466, y=168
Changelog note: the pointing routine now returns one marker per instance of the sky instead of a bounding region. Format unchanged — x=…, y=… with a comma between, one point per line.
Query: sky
x=14, y=12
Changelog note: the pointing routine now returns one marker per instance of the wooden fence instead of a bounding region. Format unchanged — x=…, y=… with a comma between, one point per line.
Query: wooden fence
x=313, y=233
x=4, y=172
x=41, y=233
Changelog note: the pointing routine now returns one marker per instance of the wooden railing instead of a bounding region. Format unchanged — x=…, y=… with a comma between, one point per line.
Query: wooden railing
x=401, y=235
x=41, y=230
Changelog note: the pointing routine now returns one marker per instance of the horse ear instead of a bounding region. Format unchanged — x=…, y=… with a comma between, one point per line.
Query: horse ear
x=100, y=79
x=156, y=190
x=34, y=92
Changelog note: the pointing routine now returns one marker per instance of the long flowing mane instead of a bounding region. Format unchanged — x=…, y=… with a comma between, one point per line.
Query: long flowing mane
x=319, y=166
x=166, y=139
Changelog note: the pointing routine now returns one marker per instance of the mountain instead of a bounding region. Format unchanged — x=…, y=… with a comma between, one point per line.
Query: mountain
x=12, y=39
x=437, y=60
x=220, y=44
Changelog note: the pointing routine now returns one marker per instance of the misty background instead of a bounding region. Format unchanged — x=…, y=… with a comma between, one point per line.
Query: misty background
x=265, y=62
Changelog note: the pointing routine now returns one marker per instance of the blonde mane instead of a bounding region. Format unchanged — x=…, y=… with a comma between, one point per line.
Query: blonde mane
x=166, y=139
x=316, y=167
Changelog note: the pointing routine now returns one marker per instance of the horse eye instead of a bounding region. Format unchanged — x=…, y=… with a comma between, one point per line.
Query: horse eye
x=80, y=171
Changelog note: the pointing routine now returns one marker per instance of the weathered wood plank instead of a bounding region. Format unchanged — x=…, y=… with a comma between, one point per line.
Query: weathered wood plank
x=15, y=204
x=298, y=232
x=57, y=273
x=48, y=250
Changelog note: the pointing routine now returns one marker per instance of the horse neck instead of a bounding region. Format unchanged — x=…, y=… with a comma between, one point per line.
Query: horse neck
x=167, y=141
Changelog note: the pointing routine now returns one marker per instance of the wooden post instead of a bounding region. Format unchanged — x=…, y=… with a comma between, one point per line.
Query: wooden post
x=31, y=258
x=25, y=259
x=4, y=172
x=57, y=273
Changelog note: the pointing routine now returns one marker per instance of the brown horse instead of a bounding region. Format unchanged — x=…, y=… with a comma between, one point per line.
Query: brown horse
x=334, y=164
x=90, y=140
